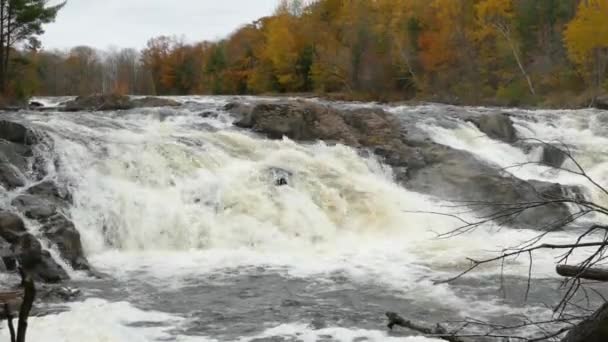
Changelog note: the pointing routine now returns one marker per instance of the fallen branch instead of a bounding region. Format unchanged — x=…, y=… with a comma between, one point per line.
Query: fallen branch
x=582, y=272
x=438, y=331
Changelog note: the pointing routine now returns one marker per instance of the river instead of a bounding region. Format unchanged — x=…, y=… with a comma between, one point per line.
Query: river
x=181, y=212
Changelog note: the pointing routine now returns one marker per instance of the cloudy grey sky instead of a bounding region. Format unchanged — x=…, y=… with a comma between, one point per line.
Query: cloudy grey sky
x=130, y=23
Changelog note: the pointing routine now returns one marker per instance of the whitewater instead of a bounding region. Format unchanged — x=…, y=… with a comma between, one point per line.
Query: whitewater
x=181, y=213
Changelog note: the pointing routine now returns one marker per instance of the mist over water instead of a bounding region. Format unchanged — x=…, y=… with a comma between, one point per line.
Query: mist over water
x=183, y=214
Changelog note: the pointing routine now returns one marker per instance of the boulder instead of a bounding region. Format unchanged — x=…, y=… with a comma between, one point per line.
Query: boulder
x=16, y=133
x=553, y=156
x=63, y=234
x=44, y=202
x=49, y=190
x=34, y=207
x=458, y=176
x=10, y=176
x=242, y=112
x=497, y=126
x=601, y=102
x=38, y=261
x=11, y=227
x=35, y=104
x=15, y=154
x=304, y=121
x=99, y=103
x=148, y=102
x=27, y=250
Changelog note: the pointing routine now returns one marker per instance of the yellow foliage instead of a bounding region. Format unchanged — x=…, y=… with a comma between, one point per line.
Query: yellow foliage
x=588, y=30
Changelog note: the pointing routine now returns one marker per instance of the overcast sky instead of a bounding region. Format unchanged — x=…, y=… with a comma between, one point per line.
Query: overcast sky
x=130, y=23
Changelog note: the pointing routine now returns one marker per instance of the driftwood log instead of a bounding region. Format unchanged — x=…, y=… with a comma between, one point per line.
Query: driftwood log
x=436, y=332
x=582, y=273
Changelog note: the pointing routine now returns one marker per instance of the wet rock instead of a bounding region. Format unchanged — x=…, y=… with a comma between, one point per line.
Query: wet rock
x=44, y=203
x=10, y=176
x=11, y=227
x=362, y=128
x=54, y=293
x=34, y=207
x=16, y=133
x=553, y=156
x=49, y=190
x=601, y=102
x=457, y=175
x=150, y=102
x=242, y=112
x=38, y=261
x=497, y=126
x=63, y=234
x=15, y=154
x=35, y=104
x=99, y=103
x=25, y=248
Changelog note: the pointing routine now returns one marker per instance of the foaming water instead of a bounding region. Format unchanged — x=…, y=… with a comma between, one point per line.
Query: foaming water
x=178, y=206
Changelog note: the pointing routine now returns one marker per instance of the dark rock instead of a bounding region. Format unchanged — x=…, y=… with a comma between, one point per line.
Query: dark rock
x=44, y=203
x=28, y=251
x=99, y=103
x=10, y=176
x=11, y=227
x=54, y=293
x=34, y=207
x=592, y=329
x=497, y=126
x=49, y=190
x=63, y=234
x=459, y=176
x=304, y=121
x=553, y=156
x=15, y=154
x=208, y=114
x=601, y=102
x=149, y=102
x=17, y=133
x=36, y=104
x=242, y=112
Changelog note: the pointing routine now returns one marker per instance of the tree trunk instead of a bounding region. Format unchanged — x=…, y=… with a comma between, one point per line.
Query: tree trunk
x=507, y=36
x=593, y=329
x=2, y=71
x=589, y=274
x=29, y=295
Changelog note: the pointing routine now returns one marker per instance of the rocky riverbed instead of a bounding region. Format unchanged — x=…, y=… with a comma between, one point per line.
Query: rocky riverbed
x=253, y=219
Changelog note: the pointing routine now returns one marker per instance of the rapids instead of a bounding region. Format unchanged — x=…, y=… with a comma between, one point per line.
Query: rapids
x=181, y=212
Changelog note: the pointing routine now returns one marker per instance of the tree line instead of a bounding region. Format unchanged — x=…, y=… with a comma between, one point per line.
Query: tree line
x=470, y=51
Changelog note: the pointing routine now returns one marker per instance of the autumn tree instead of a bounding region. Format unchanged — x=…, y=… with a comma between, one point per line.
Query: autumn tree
x=498, y=16
x=21, y=20
x=586, y=38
